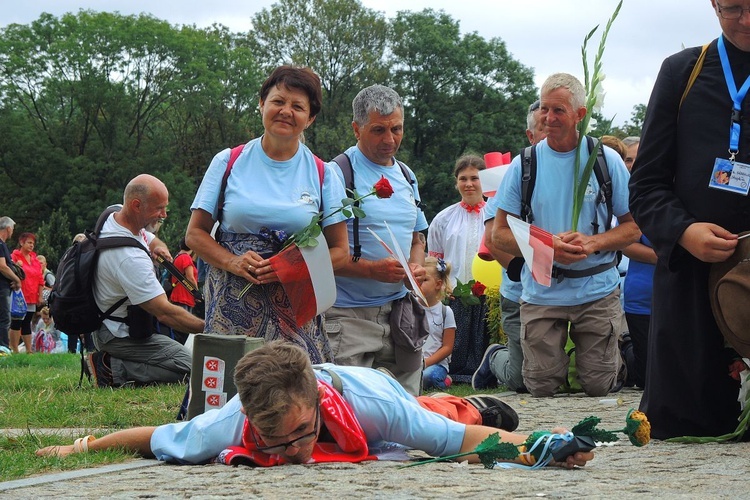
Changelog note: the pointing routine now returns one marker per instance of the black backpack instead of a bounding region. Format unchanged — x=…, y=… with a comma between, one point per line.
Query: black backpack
x=72, y=301
x=345, y=164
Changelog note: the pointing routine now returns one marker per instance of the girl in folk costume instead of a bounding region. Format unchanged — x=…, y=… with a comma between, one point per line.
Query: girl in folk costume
x=438, y=348
x=455, y=235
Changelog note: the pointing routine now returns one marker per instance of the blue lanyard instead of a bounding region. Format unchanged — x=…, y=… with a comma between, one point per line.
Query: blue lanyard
x=737, y=98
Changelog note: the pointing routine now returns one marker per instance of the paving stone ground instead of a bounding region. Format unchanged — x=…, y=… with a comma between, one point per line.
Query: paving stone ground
x=661, y=470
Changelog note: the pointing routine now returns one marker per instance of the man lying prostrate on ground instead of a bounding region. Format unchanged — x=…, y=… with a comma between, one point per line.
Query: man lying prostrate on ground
x=288, y=412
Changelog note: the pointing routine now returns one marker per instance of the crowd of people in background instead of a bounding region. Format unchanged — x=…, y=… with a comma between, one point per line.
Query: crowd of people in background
x=604, y=273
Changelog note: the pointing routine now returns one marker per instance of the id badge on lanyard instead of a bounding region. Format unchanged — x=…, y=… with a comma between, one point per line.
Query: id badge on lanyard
x=728, y=174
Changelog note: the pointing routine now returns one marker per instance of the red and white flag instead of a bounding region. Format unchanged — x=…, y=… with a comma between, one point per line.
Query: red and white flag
x=307, y=277
x=537, y=248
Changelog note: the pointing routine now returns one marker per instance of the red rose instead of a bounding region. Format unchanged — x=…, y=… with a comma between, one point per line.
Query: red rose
x=383, y=188
x=736, y=367
x=478, y=289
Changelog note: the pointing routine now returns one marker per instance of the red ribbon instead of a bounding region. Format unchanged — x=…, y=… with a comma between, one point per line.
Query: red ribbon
x=473, y=208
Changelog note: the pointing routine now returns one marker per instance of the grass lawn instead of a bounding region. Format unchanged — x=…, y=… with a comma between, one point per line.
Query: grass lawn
x=40, y=391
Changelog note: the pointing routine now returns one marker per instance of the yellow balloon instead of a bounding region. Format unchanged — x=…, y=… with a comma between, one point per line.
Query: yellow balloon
x=488, y=273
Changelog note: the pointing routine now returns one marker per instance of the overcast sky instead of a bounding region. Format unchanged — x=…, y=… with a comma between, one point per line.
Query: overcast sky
x=543, y=34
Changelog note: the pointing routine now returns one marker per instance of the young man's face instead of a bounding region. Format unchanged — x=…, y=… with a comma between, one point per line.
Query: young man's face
x=295, y=435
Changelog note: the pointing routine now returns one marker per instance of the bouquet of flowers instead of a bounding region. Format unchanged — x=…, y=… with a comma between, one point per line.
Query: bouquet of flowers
x=307, y=236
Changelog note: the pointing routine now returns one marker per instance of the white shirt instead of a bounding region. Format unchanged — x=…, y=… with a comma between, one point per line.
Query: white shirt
x=438, y=324
x=454, y=235
x=124, y=272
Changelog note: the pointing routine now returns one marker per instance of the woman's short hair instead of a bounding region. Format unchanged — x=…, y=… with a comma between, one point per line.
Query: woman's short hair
x=466, y=161
x=296, y=77
x=272, y=379
x=26, y=236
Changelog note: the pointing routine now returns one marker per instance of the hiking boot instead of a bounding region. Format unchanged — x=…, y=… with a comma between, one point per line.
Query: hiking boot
x=100, y=367
x=622, y=376
x=495, y=413
x=483, y=378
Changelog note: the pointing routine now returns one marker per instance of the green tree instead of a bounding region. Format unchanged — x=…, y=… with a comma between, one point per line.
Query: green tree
x=89, y=100
x=54, y=238
x=634, y=125
x=462, y=93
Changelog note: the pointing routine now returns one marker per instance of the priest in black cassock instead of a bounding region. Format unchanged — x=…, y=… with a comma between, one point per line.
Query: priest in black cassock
x=691, y=131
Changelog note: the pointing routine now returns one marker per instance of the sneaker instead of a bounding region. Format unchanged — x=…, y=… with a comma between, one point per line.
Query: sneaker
x=448, y=381
x=483, y=378
x=99, y=365
x=495, y=413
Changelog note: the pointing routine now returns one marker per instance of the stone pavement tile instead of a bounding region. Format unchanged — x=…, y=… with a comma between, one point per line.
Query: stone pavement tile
x=661, y=470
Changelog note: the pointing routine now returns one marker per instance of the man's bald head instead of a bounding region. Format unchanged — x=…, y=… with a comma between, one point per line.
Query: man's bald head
x=145, y=201
x=141, y=187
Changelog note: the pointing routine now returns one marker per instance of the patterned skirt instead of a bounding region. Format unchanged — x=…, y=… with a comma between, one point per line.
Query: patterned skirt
x=264, y=311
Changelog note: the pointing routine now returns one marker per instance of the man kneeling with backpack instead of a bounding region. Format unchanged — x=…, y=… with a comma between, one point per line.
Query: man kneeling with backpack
x=127, y=350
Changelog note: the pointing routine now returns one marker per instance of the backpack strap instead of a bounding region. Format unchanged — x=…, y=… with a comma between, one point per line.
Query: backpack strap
x=335, y=378
x=412, y=181
x=694, y=74
x=528, y=180
x=104, y=216
x=605, y=184
x=321, y=176
x=560, y=273
x=345, y=165
x=234, y=153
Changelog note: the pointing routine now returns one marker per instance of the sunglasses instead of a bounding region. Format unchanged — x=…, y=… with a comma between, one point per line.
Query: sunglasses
x=300, y=442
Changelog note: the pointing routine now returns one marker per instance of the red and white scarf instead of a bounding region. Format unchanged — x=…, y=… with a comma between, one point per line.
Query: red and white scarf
x=350, y=442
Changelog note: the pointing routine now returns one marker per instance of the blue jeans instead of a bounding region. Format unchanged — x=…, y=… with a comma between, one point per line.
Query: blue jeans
x=434, y=377
x=4, y=316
